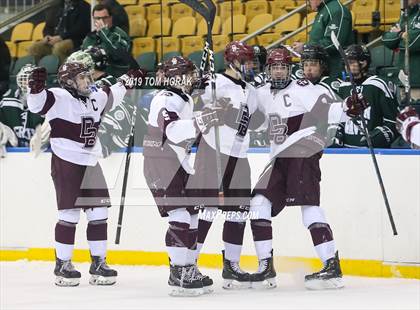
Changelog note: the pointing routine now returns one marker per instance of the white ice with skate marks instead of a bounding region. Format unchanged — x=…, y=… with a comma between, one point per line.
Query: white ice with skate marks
x=30, y=285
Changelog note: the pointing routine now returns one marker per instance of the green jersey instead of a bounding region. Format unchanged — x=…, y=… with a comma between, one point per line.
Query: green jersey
x=14, y=113
x=380, y=115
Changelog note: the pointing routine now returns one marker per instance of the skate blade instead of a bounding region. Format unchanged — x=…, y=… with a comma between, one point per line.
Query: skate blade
x=236, y=285
x=176, y=291
x=61, y=281
x=101, y=280
x=208, y=289
x=266, y=284
x=330, y=284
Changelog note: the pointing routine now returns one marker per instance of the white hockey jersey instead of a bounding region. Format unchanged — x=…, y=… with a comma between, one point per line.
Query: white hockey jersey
x=171, y=129
x=234, y=136
x=293, y=113
x=74, y=122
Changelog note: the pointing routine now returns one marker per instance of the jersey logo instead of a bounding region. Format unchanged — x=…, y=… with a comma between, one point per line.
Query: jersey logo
x=335, y=85
x=277, y=131
x=119, y=115
x=243, y=121
x=299, y=73
x=302, y=82
x=88, y=131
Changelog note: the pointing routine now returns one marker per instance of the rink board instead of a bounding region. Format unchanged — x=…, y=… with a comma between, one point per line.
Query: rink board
x=350, y=196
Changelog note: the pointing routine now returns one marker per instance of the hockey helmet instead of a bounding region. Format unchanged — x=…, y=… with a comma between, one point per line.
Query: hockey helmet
x=239, y=53
x=22, y=78
x=315, y=52
x=99, y=57
x=81, y=57
x=76, y=77
x=181, y=72
x=260, y=57
x=359, y=53
x=279, y=67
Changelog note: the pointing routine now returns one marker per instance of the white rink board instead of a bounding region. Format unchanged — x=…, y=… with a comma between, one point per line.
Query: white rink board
x=350, y=195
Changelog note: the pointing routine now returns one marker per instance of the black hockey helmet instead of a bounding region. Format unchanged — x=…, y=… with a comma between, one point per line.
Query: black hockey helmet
x=359, y=53
x=315, y=52
x=260, y=56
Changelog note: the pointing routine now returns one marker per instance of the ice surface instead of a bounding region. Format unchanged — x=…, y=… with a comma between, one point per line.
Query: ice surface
x=30, y=285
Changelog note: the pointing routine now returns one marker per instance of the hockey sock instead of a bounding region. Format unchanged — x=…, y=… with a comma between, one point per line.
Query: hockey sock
x=177, y=237
x=65, y=231
x=64, y=239
x=192, y=238
x=233, y=236
x=262, y=230
x=323, y=241
x=96, y=231
x=207, y=217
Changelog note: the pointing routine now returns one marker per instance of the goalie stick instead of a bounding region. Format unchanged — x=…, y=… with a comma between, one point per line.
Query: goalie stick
x=208, y=11
x=366, y=133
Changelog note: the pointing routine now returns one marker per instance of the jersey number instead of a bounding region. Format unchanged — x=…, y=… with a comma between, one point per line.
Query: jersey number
x=277, y=131
x=88, y=131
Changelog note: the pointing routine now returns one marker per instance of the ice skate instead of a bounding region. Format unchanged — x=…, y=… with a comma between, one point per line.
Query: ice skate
x=233, y=276
x=265, y=277
x=206, y=280
x=65, y=273
x=101, y=273
x=184, y=282
x=330, y=277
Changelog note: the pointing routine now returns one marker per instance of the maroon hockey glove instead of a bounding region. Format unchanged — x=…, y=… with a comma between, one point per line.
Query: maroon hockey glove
x=134, y=78
x=406, y=120
x=355, y=104
x=37, y=80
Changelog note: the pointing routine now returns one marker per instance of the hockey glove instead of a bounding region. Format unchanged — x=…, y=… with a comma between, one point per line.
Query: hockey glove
x=6, y=135
x=354, y=105
x=210, y=117
x=407, y=118
x=37, y=80
x=40, y=140
x=133, y=78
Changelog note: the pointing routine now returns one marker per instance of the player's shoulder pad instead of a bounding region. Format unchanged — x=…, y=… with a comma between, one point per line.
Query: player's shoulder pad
x=376, y=81
x=170, y=100
x=303, y=82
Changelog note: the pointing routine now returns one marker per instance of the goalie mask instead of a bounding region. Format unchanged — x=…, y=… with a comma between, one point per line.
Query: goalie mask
x=279, y=68
x=181, y=73
x=22, y=78
x=239, y=57
x=76, y=77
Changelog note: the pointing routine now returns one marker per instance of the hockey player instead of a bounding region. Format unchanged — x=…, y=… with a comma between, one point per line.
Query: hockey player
x=408, y=124
x=16, y=121
x=235, y=169
x=260, y=56
x=314, y=61
x=74, y=113
x=383, y=105
x=171, y=132
x=294, y=109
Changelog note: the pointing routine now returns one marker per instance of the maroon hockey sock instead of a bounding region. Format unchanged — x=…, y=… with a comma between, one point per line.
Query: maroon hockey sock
x=203, y=230
x=233, y=232
x=65, y=232
x=261, y=230
x=177, y=235
x=321, y=233
x=97, y=230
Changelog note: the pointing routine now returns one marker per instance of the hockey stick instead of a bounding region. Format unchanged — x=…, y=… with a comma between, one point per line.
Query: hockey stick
x=407, y=86
x=366, y=133
x=209, y=12
x=125, y=179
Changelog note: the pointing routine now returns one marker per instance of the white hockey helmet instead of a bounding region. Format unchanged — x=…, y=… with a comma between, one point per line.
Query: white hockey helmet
x=82, y=57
